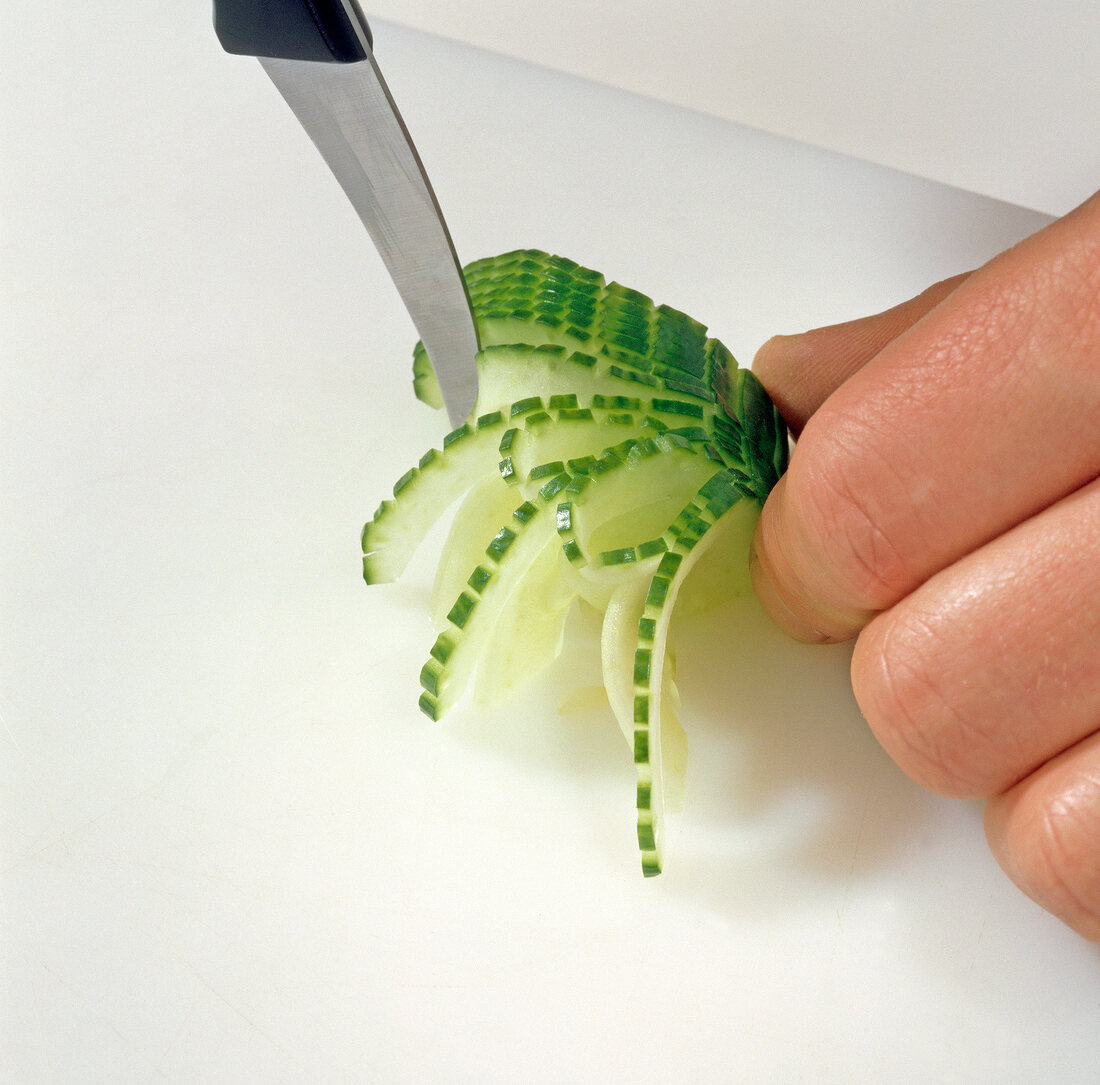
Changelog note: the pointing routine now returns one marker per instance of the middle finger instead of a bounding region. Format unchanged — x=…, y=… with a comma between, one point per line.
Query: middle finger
x=992, y=667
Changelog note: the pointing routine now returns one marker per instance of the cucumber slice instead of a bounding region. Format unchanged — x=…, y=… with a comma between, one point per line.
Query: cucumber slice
x=484, y=508
x=564, y=430
x=493, y=591
x=657, y=734
x=616, y=455
x=631, y=496
x=424, y=493
x=614, y=520
x=519, y=648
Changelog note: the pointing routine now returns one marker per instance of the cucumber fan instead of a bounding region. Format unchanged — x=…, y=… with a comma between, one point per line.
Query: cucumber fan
x=614, y=449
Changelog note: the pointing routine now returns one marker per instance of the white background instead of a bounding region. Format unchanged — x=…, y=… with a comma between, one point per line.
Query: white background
x=994, y=96
x=232, y=849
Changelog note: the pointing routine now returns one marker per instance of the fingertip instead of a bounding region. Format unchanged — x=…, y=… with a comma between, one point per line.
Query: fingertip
x=772, y=355
x=784, y=366
x=778, y=589
x=777, y=609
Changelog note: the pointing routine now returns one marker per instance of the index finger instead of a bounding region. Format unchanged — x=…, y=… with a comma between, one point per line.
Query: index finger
x=801, y=371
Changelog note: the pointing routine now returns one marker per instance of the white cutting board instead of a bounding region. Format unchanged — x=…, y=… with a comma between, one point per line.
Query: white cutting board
x=994, y=96
x=233, y=850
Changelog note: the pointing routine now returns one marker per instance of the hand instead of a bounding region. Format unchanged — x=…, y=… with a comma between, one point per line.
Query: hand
x=943, y=507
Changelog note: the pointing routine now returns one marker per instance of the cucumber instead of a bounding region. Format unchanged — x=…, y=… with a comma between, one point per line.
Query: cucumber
x=520, y=547
x=424, y=493
x=616, y=455
x=656, y=739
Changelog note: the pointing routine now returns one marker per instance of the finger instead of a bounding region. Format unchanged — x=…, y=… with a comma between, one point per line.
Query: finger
x=779, y=548
x=801, y=371
x=992, y=667
x=1044, y=833
x=978, y=416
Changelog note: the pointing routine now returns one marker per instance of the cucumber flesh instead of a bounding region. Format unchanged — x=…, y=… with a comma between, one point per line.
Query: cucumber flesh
x=424, y=493
x=519, y=645
x=493, y=591
x=485, y=507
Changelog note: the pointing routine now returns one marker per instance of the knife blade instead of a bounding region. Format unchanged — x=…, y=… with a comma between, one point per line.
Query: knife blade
x=320, y=56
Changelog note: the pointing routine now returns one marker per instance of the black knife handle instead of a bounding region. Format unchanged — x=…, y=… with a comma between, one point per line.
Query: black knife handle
x=333, y=31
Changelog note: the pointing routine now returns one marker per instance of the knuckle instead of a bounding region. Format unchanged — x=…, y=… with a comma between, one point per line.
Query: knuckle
x=911, y=709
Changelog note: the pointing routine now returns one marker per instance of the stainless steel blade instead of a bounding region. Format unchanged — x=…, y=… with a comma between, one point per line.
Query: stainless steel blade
x=349, y=114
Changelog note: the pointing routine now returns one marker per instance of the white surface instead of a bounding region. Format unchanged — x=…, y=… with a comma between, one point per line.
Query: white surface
x=233, y=851
x=994, y=96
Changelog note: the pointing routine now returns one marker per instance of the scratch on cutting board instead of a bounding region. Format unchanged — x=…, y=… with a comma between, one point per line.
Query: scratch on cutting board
x=849, y=874
x=93, y=1009
x=241, y=1014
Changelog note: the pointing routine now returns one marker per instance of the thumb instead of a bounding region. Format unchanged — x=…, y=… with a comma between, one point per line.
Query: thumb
x=778, y=551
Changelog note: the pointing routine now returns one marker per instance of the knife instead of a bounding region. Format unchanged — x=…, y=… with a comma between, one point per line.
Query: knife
x=320, y=55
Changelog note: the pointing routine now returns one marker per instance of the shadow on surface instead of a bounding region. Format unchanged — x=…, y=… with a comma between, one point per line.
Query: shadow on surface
x=788, y=792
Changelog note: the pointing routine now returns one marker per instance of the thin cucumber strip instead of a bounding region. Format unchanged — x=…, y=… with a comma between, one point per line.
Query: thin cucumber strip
x=529, y=630
x=566, y=434
x=597, y=584
x=625, y=505
x=721, y=572
x=618, y=643
x=509, y=556
x=548, y=370
x=550, y=431
x=656, y=791
x=618, y=652
x=487, y=505
x=718, y=572
x=541, y=371
x=425, y=492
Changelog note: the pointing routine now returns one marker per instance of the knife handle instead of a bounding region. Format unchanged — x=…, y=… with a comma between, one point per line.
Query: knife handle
x=332, y=31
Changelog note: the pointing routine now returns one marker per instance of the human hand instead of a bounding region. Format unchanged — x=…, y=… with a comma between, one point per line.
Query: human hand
x=942, y=506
